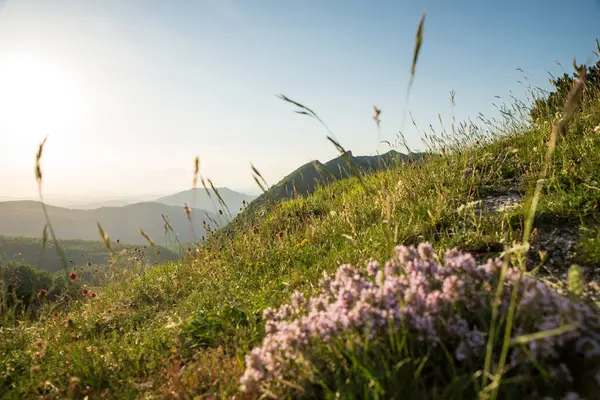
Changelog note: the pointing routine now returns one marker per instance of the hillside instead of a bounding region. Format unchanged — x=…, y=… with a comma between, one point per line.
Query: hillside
x=98, y=204
x=198, y=198
x=195, y=328
x=77, y=252
x=25, y=218
x=306, y=179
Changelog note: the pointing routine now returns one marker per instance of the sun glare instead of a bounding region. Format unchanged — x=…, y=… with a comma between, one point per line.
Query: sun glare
x=39, y=96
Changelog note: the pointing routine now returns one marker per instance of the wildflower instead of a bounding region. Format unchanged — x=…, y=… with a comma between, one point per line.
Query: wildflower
x=468, y=172
x=597, y=129
x=425, y=251
x=42, y=293
x=84, y=291
x=372, y=268
x=72, y=277
x=303, y=243
x=298, y=301
x=417, y=293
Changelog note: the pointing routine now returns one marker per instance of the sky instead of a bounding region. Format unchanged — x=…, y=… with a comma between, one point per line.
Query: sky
x=128, y=92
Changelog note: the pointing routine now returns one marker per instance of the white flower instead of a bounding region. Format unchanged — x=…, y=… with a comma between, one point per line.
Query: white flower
x=597, y=129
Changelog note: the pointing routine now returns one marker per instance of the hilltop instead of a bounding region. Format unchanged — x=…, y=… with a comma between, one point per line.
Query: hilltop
x=198, y=198
x=313, y=175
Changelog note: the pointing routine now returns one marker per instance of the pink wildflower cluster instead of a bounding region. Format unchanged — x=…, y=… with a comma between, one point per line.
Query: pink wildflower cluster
x=433, y=301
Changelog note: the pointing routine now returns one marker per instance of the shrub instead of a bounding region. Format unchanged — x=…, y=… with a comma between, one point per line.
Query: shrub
x=548, y=106
x=24, y=288
x=21, y=283
x=374, y=332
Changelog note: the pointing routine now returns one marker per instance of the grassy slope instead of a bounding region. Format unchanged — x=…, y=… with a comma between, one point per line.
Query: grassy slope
x=139, y=333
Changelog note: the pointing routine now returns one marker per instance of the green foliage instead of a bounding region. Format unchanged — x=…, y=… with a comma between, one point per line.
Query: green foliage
x=32, y=251
x=588, y=246
x=548, y=106
x=22, y=283
x=212, y=328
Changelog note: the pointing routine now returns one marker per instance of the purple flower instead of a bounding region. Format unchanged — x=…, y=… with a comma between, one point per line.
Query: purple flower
x=372, y=268
x=435, y=302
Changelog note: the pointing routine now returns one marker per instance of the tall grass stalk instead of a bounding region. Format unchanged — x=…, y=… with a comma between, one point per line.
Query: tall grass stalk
x=573, y=100
x=39, y=179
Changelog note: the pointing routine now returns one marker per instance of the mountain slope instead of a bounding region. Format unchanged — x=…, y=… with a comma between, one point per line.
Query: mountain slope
x=25, y=218
x=198, y=198
x=306, y=179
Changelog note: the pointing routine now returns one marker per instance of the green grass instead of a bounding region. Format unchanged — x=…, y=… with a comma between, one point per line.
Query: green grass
x=204, y=313
x=182, y=329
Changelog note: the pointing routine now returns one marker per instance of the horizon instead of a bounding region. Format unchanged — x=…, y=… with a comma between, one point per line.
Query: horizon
x=62, y=200
x=129, y=93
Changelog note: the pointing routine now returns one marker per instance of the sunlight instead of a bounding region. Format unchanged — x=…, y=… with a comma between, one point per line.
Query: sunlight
x=39, y=96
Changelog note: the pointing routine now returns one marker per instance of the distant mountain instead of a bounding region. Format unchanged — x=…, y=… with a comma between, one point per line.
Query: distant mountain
x=86, y=202
x=233, y=199
x=25, y=218
x=306, y=179
x=98, y=204
x=91, y=203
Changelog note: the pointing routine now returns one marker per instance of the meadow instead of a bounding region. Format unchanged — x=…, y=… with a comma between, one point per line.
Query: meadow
x=355, y=291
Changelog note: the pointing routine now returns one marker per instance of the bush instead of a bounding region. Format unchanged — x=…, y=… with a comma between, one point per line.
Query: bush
x=544, y=108
x=375, y=332
x=24, y=286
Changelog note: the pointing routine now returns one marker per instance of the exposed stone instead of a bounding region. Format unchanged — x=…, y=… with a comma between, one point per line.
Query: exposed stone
x=500, y=203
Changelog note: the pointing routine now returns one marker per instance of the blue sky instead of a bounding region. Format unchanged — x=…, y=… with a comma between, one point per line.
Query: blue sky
x=129, y=91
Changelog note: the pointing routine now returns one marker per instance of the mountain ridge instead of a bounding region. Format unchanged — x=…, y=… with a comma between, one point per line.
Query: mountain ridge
x=233, y=199
x=307, y=178
x=25, y=218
